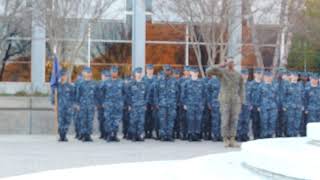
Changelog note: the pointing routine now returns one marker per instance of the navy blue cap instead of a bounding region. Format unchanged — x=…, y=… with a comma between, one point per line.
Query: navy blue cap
x=293, y=73
x=176, y=71
x=87, y=69
x=186, y=68
x=304, y=74
x=167, y=67
x=267, y=73
x=314, y=76
x=244, y=71
x=114, y=69
x=149, y=66
x=258, y=70
x=79, y=77
x=194, y=69
x=106, y=73
x=138, y=70
x=63, y=72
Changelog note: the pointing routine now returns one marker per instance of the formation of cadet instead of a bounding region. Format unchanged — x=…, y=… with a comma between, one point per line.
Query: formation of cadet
x=168, y=107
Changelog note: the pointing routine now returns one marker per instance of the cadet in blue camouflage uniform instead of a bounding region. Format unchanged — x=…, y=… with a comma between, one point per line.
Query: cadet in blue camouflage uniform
x=312, y=102
x=193, y=100
x=114, y=97
x=182, y=112
x=137, y=98
x=65, y=104
x=166, y=96
x=105, y=75
x=86, y=97
x=150, y=79
x=282, y=85
x=126, y=112
x=244, y=117
x=213, y=89
x=176, y=129
x=294, y=105
x=268, y=107
x=206, y=120
x=76, y=113
x=304, y=79
x=255, y=99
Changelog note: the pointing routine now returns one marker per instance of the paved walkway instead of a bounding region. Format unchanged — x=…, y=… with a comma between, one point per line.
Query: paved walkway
x=28, y=154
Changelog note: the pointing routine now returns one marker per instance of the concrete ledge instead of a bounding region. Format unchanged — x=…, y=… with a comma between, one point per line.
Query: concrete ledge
x=15, y=87
x=29, y=115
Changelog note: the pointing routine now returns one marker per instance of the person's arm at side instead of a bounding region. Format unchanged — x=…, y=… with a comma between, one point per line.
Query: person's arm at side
x=242, y=91
x=217, y=70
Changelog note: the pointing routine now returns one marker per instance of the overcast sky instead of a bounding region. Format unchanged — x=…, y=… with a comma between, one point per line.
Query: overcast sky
x=268, y=11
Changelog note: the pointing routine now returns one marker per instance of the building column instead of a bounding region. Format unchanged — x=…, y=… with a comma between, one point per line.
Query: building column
x=138, y=34
x=38, y=51
x=235, y=33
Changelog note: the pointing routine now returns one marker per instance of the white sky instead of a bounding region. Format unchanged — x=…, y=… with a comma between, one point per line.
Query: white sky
x=268, y=12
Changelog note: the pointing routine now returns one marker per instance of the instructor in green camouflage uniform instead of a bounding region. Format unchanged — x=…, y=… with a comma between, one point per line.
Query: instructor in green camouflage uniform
x=231, y=97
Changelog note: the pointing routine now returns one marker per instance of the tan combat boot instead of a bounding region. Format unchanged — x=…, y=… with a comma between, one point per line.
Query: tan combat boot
x=233, y=143
x=226, y=142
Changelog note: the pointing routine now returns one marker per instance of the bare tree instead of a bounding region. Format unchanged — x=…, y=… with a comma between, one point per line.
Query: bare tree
x=15, y=22
x=67, y=24
x=208, y=24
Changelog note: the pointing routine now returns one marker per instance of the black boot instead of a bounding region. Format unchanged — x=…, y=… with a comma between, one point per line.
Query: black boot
x=114, y=137
x=60, y=137
x=140, y=138
x=197, y=137
x=87, y=138
x=190, y=137
x=65, y=139
x=184, y=137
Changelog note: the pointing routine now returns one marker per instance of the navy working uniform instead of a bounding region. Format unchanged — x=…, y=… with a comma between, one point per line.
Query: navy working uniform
x=255, y=99
x=294, y=106
x=150, y=112
x=65, y=106
x=268, y=108
x=105, y=74
x=86, y=100
x=182, y=112
x=166, y=96
x=244, y=116
x=193, y=100
x=312, y=102
x=114, y=96
x=213, y=89
x=137, y=98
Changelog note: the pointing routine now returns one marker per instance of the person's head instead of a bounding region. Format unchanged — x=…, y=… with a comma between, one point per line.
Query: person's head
x=114, y=72
x=314, y=79
x=284, y=76
x=167, y=70
x=137, y=73
x=294, y=77
x=267, y=77
x=186, y=71
x=258, y=74
x=176, y=73
x=194, y=73
x=230, y=63
x=150, y=69
x=105, y=75
x=63, y=75
x=87, y=73
x=245, y=74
